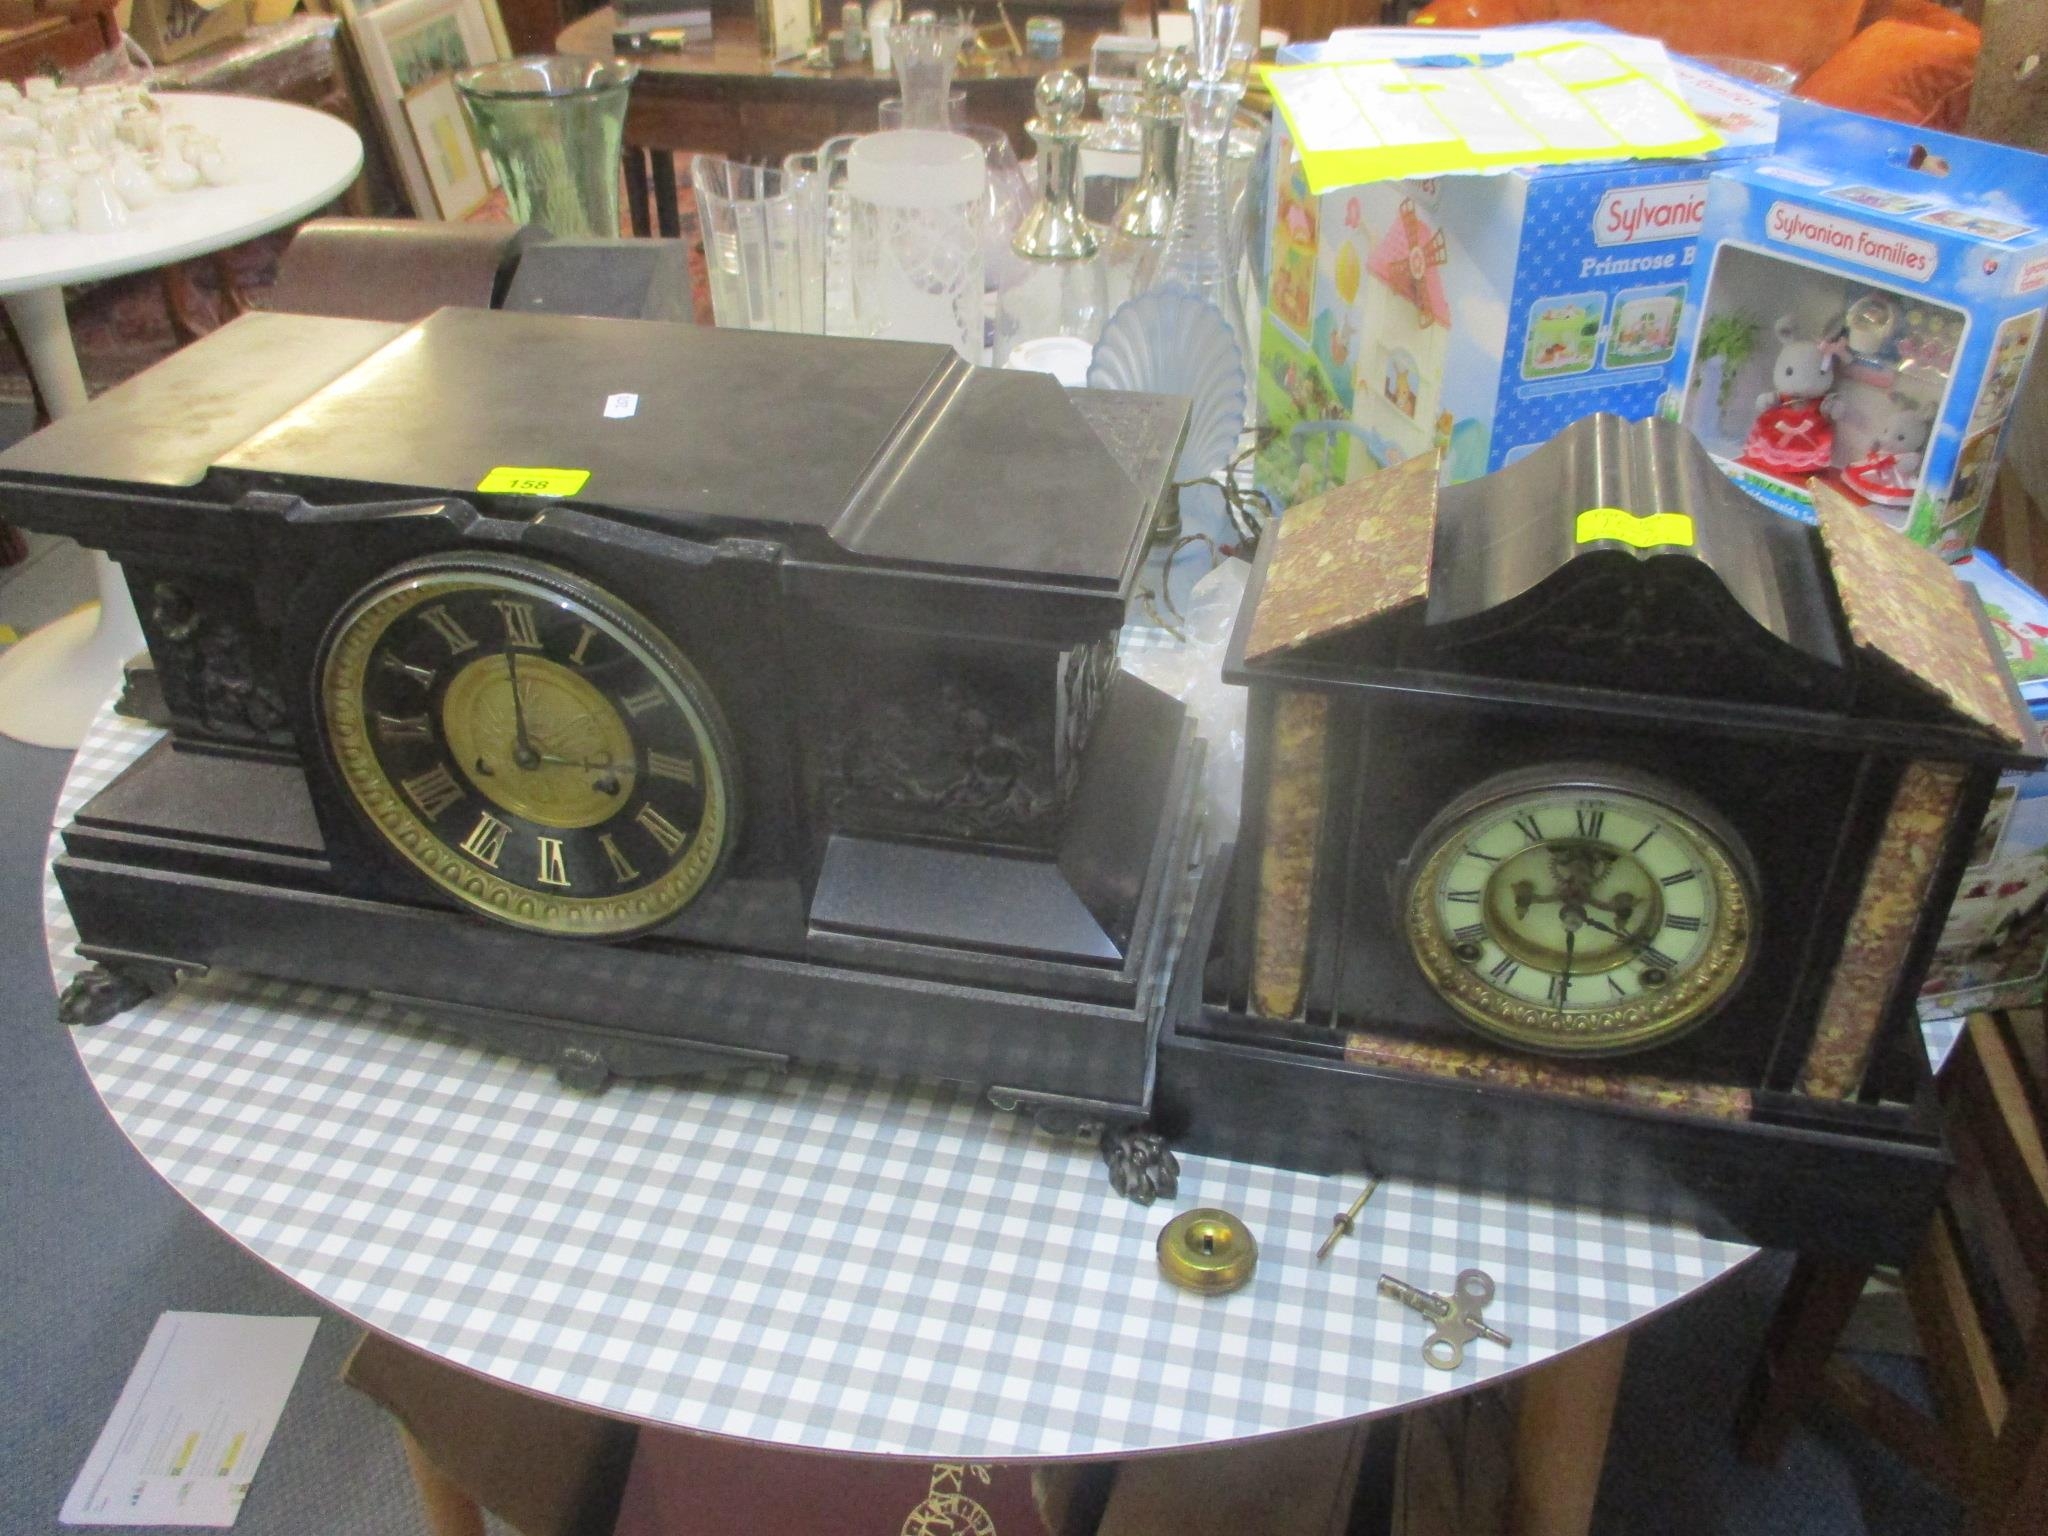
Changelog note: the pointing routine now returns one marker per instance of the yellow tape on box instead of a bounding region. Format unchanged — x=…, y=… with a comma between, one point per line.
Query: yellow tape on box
x=1363, y=120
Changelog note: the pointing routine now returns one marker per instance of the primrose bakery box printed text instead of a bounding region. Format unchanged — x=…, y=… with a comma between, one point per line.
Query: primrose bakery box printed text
x=1863, y=312
x=1477, y=314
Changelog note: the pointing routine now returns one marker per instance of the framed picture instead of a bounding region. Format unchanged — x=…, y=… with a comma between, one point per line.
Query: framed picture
x=409, y=48
x=441, y=130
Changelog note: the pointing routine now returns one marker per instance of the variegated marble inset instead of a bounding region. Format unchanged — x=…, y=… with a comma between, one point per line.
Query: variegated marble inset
x=1482, y=1064
x=1906, y=608
x=1296, y=790
x=1350, y=555
x=1888, y=912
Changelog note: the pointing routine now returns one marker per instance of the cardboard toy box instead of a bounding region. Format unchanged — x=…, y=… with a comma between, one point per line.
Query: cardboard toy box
x=1864, y=308
x=1482, y=313
x=1993, y=951
x=171, y=29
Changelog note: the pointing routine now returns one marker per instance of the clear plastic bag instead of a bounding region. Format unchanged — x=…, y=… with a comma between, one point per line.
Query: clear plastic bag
x=1193, y=673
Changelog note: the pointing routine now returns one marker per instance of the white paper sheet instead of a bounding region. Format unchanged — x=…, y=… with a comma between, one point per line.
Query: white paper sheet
x=184, y=1440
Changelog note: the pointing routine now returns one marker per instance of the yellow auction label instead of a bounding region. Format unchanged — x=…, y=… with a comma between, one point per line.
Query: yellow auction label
x=508, y=480
x=1658, y=530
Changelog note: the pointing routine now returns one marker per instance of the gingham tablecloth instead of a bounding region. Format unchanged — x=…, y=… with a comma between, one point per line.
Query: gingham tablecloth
x=829, y=1260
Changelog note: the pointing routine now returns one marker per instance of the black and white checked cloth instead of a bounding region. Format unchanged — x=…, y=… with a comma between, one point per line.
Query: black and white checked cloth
x=830, y=1260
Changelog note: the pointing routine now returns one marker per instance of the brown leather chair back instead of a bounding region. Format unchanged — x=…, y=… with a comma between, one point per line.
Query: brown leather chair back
x=395, y=269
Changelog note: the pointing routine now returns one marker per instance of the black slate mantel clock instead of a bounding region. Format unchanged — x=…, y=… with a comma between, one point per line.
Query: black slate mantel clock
x=1598, y=825
x=641, y=698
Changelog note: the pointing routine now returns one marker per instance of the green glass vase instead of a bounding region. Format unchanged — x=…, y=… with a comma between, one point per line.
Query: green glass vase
x=554, y=123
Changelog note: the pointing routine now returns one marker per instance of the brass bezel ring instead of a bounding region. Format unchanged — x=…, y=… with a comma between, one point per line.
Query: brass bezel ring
x=339, y=672
x=1640, y=1023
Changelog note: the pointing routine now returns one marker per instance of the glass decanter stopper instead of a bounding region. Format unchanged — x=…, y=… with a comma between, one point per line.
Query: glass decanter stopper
x=1048, y=319
x=1139, y=229
x=1197, y=256
x=1115, y=66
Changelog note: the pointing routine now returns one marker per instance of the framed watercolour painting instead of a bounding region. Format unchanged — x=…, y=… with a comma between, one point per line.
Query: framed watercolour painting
x=441, y=131
x=410, y=49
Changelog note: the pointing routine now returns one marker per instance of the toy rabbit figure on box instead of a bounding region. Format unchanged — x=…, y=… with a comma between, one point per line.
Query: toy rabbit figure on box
x=1890, y=471
x=1794, y=433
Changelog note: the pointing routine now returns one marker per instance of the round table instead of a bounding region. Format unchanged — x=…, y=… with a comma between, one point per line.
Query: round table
x=292, y=160
x=728, y=98
x=827, y=1260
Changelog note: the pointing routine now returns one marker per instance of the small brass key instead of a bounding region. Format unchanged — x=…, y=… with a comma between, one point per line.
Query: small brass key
x=1456, y=1316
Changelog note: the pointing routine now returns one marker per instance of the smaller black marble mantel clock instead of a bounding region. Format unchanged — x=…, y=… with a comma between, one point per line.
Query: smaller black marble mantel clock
x=1598, y=826
x=640, y=698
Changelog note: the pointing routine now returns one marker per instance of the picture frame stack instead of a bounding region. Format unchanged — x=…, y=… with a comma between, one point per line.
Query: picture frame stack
x=410, y=51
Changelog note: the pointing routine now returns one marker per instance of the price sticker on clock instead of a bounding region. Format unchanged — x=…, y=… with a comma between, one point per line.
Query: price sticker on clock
x=1656, y=530
x=508, y=480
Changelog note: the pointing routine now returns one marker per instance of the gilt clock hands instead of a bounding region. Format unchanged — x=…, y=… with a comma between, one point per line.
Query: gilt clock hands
x=1638, y=940
x=607, y=781
x=523, y=752
x=528, y=756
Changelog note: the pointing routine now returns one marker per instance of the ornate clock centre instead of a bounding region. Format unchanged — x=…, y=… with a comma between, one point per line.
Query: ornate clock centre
x=1580, y=910
x=538, y=740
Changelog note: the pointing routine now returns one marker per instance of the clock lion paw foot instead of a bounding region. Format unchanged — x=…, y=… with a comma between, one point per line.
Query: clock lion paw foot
x=101, y=992
x=1141, y=1166
x=583, y=1069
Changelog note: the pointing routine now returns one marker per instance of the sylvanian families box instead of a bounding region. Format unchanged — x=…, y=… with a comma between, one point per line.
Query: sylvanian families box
x=1993, y=950
x=1479, y=314
x=1863, y=310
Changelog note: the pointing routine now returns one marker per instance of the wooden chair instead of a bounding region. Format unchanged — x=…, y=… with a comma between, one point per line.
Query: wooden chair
x=1976, y=1292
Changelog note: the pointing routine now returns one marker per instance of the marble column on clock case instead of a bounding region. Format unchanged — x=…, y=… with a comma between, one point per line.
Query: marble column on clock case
x=1911, y=622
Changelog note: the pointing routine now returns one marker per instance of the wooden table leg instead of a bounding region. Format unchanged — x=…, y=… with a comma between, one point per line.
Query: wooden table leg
x=636, y=190
x=1791, y=1369
x=668, y=217
x=1561, y=1438
x=450, y=1511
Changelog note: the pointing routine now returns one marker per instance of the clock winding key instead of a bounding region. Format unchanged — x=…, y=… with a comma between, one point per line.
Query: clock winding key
x=1456, y=1316
x=1343, y=1225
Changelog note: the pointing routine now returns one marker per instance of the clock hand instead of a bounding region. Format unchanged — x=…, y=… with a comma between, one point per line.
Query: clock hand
x=522, y=751
x=1640, y=941
x=1571, y=940
x=560, y=761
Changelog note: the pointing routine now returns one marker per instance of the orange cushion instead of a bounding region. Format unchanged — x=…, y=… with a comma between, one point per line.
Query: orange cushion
x=1894, y=69
x=1485, y=13
x=1921, y=13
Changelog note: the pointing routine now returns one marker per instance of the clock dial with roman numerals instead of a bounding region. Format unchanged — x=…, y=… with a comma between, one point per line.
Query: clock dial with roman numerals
x=1580, y=910
x=529, y=744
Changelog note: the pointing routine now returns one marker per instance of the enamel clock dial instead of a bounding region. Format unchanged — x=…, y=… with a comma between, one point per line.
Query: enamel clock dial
x=1580, y=910
x=529, y=744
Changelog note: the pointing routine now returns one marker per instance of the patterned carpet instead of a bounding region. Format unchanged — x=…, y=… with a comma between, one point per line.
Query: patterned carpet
x=123, y=325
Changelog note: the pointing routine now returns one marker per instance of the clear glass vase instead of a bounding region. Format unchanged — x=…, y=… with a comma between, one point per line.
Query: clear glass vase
x=553, y=124
x=764, y=244
x=925, y=52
